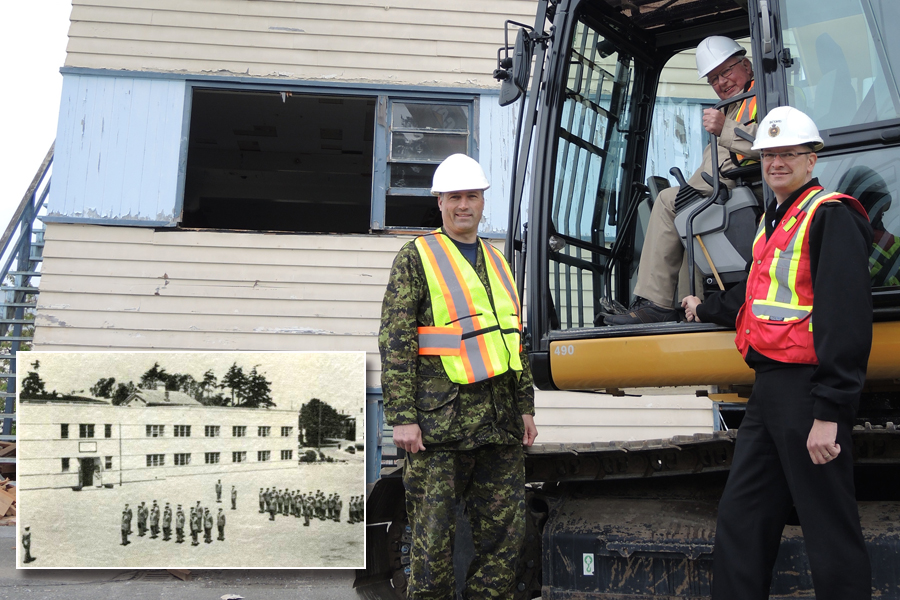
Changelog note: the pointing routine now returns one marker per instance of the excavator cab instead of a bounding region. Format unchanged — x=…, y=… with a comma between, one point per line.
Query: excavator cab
x=616, y=103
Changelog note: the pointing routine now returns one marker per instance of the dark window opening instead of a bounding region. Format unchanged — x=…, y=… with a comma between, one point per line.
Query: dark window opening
x=266, y=161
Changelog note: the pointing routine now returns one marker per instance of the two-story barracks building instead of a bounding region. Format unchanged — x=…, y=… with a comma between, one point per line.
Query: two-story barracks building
x=81, y=445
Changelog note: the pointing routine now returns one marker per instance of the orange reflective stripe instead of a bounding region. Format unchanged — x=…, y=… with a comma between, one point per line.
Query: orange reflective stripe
x=439, y=341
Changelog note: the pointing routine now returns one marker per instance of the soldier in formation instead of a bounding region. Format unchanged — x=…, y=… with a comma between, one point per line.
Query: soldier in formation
x=207, y=526
x=126, y=525
x=179, y=525
x=167, y=523
x=219, y=491
x=220, y=522
x=142, y=519
x=154, y=521
x=195, y=526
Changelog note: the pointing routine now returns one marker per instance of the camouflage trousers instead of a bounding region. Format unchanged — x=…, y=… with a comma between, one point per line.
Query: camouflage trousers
x=491, y=480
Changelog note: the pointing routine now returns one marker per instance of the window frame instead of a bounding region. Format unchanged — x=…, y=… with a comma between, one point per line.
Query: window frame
x=263, y=456
x=379, y=203
x=63, y=431
x=238, y=431
x=384, y=97
x=212, y=458
x=181, y=430
x=215, y=429
x=264, y=431
x=287, y=455
x=156, y=431
x=85, y=431
x=156, y=460
x=239, y=456
x=181, y=459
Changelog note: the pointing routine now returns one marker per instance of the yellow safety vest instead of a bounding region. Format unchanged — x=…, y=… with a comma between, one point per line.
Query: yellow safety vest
x=477, y=333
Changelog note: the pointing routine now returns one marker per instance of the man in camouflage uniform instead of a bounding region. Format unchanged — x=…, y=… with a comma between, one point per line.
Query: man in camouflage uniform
x=474, y=432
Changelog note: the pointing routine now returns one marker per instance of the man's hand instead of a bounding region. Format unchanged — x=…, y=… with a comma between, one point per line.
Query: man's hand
x=821, y=442
x=530, y=430
x=713, y=121
x=408, y=437
x=690, y=304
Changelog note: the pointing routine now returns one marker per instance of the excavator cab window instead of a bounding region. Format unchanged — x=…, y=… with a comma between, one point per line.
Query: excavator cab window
x=842, y=72
x=843, y=56
x=592, y=135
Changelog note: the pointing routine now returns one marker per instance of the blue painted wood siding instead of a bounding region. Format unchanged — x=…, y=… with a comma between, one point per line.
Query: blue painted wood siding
x=120, y=151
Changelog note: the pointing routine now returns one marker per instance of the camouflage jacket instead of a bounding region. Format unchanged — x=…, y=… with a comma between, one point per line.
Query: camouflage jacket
x=417, y=390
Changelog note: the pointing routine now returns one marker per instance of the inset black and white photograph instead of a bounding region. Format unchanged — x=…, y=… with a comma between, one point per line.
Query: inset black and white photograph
x=191, y=460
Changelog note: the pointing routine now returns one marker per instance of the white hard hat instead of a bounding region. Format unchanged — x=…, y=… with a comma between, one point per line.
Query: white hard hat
x=715, y=50
x=787, y=126
x=458, y=172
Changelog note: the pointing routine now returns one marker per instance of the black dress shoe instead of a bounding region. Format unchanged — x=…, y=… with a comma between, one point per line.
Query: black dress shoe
x=643, y=311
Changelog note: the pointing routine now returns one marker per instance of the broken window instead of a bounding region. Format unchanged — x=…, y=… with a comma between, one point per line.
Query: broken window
x=285, y=162
x=318, y=163
x=422, y=134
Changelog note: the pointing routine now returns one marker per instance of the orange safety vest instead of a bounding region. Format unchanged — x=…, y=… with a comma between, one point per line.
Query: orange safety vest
x=746, y=114
x=776, y=317
x=477, y=332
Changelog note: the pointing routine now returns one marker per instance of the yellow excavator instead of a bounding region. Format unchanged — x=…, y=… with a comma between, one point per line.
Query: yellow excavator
x=603, y=93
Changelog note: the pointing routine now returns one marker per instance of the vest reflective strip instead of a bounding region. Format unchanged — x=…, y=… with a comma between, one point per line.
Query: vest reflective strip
x=497, y=263
x=458, y=299
x=782, y=302
x=440, y=341
x=745, y=114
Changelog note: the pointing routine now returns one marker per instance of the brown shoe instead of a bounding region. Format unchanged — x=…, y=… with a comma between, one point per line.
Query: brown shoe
x=643, y=311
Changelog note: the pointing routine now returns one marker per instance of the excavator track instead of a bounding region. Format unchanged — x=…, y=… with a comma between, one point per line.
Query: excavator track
x=388, y=541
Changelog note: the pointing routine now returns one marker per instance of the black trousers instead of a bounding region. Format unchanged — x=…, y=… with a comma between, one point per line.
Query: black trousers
x=772, y=472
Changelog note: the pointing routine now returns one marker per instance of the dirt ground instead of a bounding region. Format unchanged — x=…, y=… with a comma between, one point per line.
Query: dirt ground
x=83, y=529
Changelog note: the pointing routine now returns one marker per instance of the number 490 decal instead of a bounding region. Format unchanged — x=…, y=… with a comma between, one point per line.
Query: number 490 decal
x=564, y=350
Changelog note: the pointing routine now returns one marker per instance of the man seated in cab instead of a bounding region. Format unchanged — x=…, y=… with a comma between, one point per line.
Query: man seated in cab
x=729, y=72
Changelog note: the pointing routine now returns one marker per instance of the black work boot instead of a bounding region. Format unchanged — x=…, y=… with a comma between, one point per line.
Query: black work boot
x=643, y=311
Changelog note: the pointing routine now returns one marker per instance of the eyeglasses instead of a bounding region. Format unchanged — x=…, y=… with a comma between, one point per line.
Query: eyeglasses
x=714, y=79
x=785, y=156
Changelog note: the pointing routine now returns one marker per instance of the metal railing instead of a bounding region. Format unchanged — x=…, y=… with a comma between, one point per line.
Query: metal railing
x=21, y=255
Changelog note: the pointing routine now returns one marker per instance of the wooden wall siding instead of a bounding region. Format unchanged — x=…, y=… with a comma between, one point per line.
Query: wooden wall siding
x=573, y=417
x=118, y=149
x=135, y=288
x=398, y=41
